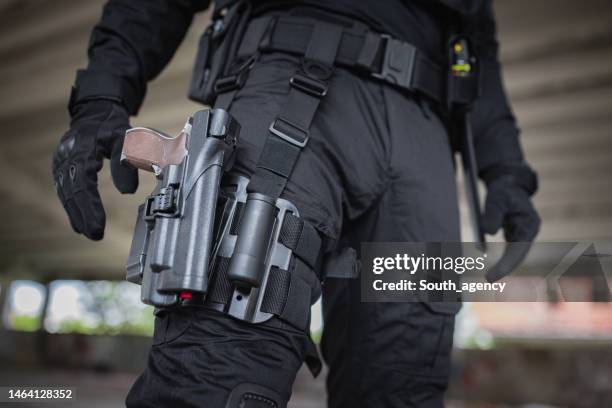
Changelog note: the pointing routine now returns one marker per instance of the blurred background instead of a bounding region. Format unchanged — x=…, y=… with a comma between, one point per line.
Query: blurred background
x=67, y=318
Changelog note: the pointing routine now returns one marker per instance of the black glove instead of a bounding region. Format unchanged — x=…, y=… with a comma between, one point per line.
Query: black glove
x=508, y=205
x=97, y=130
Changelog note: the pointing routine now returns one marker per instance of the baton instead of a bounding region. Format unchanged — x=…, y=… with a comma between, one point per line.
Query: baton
x=464, y=68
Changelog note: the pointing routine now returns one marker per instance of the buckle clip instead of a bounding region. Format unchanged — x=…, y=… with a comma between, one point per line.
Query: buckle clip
x=309, y=85
x=237, y=80
x=398, y=63
x=280, y=127
x=229, y=83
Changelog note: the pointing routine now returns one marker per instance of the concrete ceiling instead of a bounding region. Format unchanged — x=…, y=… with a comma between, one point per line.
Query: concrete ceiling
x=557, y=56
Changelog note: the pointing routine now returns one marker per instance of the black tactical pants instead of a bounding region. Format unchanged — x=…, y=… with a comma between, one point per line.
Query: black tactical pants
x=378, y=167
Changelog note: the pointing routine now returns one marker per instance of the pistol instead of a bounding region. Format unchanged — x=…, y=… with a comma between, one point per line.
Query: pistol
x=174, y=234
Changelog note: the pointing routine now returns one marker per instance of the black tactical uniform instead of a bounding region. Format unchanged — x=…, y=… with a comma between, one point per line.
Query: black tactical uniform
x=378, y=167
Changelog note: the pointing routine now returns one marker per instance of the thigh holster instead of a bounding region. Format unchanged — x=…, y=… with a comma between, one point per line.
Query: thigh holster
x=202, y=238
x=223, y=241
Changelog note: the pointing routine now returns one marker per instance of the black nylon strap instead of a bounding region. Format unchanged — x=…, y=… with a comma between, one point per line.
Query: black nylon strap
x=277, y=291
x=289, y=131
x=288, y=296
x=291, y=231
x=428, y=77
x=371, y=51
x=360, y=50
x=254, y=37
x=302, y=238
x=288, y=293
x=224, y=100
x=297, y=307
x=323, y=44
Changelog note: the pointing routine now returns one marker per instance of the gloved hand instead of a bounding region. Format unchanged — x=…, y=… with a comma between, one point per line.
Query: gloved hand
x=97, y=130
x=508, y=205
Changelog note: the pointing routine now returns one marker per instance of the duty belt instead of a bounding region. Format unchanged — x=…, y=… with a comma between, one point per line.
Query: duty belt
x=396, y=62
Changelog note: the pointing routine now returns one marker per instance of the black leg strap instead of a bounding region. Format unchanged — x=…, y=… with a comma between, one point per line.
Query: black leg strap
x=302, y=238
x=289, y=132
x=288, y=292
x=226, y=87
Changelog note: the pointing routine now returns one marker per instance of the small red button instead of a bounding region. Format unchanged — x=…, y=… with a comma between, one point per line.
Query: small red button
x=186, y=295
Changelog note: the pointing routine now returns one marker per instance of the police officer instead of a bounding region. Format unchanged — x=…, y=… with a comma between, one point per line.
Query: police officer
x=377, y=166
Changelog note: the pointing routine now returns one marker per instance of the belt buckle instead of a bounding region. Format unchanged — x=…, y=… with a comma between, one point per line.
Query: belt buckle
x=398, y=62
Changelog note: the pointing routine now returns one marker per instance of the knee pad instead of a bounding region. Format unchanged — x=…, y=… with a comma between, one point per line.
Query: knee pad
x=247, y=395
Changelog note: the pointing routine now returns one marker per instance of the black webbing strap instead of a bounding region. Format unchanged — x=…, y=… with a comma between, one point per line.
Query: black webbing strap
x=396, y=62
x=277, y=291
x=227, y=87
x=302, y=238
x=224, y=99
x=255, y=36
x=289, y=132
x=289, y=294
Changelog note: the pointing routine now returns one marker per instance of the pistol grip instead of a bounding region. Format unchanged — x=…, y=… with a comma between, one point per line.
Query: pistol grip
x=148, y=149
